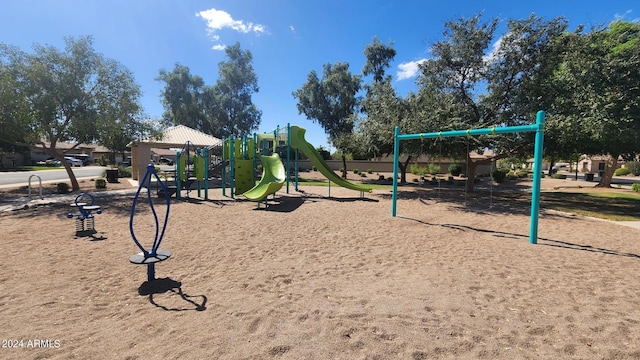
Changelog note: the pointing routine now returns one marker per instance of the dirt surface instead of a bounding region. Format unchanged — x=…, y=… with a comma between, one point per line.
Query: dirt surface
x=314, y=276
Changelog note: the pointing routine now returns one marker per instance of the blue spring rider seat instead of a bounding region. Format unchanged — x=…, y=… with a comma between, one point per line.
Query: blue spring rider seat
x=154, y=254
x=85, y=220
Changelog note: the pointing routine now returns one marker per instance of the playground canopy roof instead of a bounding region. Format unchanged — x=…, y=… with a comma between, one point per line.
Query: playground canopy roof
x=173, y=137
x=178, y=135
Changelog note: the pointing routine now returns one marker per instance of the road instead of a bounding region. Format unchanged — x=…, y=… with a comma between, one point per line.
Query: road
x=21, y=178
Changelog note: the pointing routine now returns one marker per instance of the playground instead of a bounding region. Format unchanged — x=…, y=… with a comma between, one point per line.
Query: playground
x=315, y=276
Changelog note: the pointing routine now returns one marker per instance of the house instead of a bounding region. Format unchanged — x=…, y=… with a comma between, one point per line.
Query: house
x=588, y=164
x=595, y=164
x=173, y=139
x=93, y=151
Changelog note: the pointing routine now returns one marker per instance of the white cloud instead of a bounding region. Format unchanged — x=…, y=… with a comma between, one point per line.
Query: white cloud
x=625, y=16
x=409, y=69
x=621, y=17
x=219, y=47
x=292, y=28
x=219, y=19
x=494, y=50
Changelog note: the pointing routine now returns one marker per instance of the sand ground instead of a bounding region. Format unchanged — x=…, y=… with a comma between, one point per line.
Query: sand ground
x=318, y=277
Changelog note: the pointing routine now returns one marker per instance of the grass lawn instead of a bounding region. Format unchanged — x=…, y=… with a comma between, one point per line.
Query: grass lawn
x=32, y=168
x=610, y=205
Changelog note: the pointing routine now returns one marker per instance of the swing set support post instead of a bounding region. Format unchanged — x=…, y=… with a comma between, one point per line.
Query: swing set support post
x=538, y=128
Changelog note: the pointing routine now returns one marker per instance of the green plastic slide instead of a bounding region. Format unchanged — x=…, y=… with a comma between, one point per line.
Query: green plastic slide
x=273, y=176
x=298, y=141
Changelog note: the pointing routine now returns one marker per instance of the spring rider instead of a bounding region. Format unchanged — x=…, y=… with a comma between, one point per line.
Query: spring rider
x=85, y=219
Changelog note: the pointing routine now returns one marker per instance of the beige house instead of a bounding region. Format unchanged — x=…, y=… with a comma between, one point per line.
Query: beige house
x=94, y=151
x=174, y=138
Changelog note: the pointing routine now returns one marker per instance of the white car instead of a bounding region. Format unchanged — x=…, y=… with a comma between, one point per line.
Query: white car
x=73, y=161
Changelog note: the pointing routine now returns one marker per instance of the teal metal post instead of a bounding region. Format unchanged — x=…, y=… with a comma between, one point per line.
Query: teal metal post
x=537, y=170
x=288, y=154
x=296, y=170
x=255, y=158
x=232, y=165
x=195, y=164
x=178, y=181
x=396, y=155
x=207, y=161
x=224, y=169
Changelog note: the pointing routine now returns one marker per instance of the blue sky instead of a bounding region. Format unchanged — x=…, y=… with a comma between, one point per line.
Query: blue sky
x=288, y=38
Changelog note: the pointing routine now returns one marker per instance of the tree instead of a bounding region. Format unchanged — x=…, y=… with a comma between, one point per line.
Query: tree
x=486, y=86
x=604, y=107
x=65, y=95
x=331, y=101
x=221, y=110
x=230, y=99
x=116, y=135
x=183, y=97
x=379, y=57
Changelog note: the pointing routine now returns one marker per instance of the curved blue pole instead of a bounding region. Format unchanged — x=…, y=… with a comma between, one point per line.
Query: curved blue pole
x=146, y=182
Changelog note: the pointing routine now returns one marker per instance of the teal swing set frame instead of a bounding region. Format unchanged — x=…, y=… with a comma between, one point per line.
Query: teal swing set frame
x=538, y=128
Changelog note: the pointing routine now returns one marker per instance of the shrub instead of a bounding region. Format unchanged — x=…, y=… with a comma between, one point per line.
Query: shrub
x=522, y=174
x=635, y=187
x=62, y=188
x=363, y=174
x=369, y=171
x=380, y=177
x=101, y=183
x=559, y=176
x=622, y=172
x=498, y=175
x=356, y=171
x=125, y=171
x=433, y=169
x=455, y=169
x=314, y=168
x=512, y=176
x=634, y=167
x=102, y=161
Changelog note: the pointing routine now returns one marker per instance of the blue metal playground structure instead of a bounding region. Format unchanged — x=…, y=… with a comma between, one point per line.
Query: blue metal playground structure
x=154, y=254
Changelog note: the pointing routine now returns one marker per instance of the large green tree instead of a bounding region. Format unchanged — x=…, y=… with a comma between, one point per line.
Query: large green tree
x=331, y=102
x=183, y=97
x=600, y=104
x=223, y=109
x=64, y=95
x=233, y=110
x=486, y=84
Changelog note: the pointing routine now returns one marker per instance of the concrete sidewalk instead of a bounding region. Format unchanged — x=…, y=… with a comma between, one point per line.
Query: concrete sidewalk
x=35, y=200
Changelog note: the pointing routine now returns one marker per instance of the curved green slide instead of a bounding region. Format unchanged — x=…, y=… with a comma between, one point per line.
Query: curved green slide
x=273, y=176
x=298, y=141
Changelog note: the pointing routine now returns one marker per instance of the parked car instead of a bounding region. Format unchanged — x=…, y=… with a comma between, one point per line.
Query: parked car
x=73, y=161
x=49, y=162
x=165, y=161
x=86, y=159
x=52, y=161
